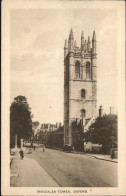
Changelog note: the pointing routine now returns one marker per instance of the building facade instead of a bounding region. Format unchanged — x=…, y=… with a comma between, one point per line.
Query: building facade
x=45, y=129
x=80, y=83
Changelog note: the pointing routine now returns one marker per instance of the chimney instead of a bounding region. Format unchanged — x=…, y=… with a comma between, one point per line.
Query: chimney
x=100, y=111
x=111, y=110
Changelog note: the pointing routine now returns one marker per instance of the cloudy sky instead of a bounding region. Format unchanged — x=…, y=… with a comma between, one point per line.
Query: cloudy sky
x=37, y=41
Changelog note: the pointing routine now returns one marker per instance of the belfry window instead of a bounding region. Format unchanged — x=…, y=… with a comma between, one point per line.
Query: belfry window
x=83, y=93
x=88, y=73
x=83, y=113
x=77, y=69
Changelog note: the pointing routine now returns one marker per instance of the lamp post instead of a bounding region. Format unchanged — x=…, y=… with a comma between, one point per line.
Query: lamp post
x=15, y=141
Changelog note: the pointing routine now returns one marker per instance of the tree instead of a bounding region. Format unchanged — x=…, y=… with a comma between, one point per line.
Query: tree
x=77, y=131
x=20, y=120
x=35, y=124
x=103, y=131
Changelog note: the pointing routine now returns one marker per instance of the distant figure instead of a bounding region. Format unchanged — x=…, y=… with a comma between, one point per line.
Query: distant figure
x=73, y=148
x=30, y=151
x=112, y=154
x=34, y=147
x=21, y=154
x=43, y=148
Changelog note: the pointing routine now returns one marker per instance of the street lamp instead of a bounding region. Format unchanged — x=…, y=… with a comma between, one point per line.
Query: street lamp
x=15, y=141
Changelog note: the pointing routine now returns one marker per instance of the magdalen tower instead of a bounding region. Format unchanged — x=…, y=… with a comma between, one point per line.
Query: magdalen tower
x=80, y=82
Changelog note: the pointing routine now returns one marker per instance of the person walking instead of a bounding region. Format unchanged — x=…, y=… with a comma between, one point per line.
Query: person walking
x=21, y=154
x=43, y=148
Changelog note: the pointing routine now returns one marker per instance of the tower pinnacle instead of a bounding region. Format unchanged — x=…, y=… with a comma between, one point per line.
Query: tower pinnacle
x=65, y=45
x=71, y=41
x=82, y=40
x=94, y=44
x=75, y=44
x=88, y=44
x=82, y=35
x=94, y=36
x=85, y=44
x=71, y=34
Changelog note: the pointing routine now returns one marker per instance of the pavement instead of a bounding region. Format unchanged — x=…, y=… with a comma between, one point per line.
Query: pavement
x=14, y=169
x=31, y=174
x=103, y=157
x=97, y=156
x=28, y=173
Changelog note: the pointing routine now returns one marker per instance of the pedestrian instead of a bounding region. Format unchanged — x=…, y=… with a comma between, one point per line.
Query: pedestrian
x=73, y=148
x=43, y=148
x=112, y=154
x=34, y=148
x=21, y=154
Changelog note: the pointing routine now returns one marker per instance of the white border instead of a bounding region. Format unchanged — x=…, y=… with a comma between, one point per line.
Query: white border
x=7, y=5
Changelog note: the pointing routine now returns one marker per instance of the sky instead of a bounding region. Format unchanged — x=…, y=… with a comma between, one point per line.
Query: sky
x=37, y=39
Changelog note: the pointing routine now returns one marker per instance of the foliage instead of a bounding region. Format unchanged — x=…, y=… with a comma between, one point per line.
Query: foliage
x=55, y=138
x=20, y=120
x=36, y=123
x=103, y=131
x=78, y=145
x=76, y=127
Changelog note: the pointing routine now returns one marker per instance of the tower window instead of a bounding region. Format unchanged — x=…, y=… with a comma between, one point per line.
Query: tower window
x=67, y=131
x=83, y=113
x=83, y=94
x=77, y=69
x=88, y=70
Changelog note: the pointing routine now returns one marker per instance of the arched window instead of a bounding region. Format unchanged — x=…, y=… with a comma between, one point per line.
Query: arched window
x=83, y=93
x=83, y=113
x=77, y=69
x=88, y=73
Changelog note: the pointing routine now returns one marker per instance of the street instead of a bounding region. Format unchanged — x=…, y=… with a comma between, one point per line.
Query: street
x=65, y=169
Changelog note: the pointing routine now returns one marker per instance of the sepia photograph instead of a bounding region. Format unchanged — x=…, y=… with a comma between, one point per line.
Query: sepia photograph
x=64, y=98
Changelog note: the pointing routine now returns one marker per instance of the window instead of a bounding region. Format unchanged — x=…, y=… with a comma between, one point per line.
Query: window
x=77, y=69
x=83, y=113
x=88, y=70
x=83, y=94
x=67, y=132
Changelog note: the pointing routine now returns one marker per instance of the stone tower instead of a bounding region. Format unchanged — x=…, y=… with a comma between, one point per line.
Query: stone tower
x=80, y=82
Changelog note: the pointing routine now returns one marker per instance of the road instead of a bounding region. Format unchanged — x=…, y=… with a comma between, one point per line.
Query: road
x=75, y=170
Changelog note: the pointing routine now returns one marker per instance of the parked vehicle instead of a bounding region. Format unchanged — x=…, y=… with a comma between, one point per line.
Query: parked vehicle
x=67, y=148
x=114, y=153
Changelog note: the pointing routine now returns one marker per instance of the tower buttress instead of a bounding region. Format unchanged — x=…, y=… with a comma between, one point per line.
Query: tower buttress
x=82, y=41
x=94, y=67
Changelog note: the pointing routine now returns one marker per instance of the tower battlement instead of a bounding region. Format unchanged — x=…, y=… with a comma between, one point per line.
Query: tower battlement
x=86, y=47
